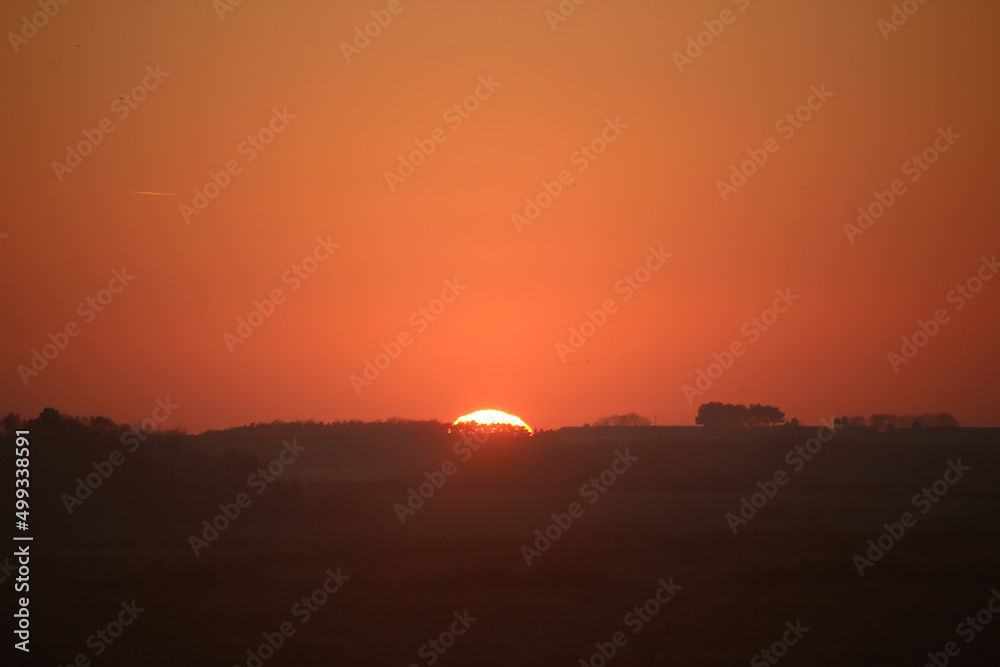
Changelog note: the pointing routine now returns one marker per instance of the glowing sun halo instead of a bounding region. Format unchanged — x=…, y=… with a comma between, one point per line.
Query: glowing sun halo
x=492, y=417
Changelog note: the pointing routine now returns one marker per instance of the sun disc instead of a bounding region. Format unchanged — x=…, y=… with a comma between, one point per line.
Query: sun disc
x=492, y=418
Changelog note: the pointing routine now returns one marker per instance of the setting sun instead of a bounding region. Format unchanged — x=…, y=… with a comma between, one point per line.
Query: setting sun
x=492, y=418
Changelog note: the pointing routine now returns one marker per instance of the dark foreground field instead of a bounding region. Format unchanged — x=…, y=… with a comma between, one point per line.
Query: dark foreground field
x=658, y=528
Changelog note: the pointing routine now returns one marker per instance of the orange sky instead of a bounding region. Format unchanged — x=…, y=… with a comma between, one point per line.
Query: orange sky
x=495, y=346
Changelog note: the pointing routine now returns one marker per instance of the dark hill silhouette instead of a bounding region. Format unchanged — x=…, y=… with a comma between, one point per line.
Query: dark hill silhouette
x=333, y=506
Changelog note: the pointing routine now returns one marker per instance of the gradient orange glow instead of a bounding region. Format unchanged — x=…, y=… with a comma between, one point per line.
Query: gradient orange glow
x=345, y=124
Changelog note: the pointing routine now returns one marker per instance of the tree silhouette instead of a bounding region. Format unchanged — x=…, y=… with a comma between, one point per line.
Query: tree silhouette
x=728, y=414
x=471, y=427
x=883, y=421
x=631, y=419
x=939, y=420
x=764, y=415
x=9, y=424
